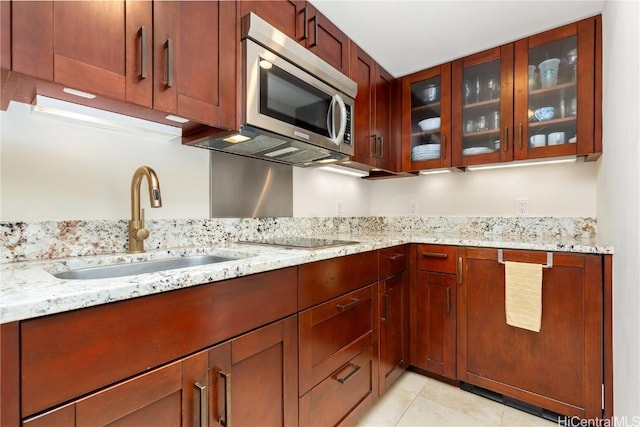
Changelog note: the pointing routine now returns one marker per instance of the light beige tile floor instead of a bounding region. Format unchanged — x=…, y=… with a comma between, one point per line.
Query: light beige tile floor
x=415, y=400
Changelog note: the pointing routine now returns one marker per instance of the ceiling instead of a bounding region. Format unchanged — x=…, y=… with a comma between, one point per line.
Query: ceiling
x=405, y=36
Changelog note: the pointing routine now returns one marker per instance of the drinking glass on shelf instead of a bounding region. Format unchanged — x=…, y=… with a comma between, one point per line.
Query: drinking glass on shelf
x=492, y=86
x=481, y=123
x=470, y=127
x=468, y=91
x=477, y=88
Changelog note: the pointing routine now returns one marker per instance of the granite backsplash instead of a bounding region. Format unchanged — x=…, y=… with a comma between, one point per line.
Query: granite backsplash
x=40, y=240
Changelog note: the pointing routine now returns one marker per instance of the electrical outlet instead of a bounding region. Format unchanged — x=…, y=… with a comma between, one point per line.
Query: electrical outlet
x=338, y=208
x=413, y=207
x=522, y=207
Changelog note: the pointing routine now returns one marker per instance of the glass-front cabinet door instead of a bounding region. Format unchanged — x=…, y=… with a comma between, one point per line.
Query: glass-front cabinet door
x=554, y=92
x=426, y=119
x=482, y=107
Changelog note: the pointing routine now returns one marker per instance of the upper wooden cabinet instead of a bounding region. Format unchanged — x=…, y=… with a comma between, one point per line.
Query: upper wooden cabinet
x=5, y=35
x=426, y=119
x=285, y=15
x=482, y=107
x=324, y=39
x=530, y=99
x=194, y=60
x=554, y=105
x=374, y=138
x=142, y=53
x=102, y=47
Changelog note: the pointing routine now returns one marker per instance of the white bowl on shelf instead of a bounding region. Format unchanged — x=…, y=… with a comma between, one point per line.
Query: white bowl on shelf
x=429, y=124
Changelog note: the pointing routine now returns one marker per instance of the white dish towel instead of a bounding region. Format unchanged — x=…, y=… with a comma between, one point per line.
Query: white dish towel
x=523, y=295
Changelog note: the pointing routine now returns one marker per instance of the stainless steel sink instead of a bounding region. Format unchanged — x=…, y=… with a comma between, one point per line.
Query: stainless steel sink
x=141, y=267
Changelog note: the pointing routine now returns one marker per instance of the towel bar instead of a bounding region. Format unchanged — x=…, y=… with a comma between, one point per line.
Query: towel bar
x=549, y=263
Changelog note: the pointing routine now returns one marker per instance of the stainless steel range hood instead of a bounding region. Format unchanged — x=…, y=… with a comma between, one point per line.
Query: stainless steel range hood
x=296, y=108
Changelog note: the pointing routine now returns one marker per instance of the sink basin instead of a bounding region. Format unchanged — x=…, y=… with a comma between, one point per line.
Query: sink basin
x=141, y=267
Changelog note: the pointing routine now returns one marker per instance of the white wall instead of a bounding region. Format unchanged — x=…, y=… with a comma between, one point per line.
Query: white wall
x=317, y=193
x=59, y=170
x=618, y=185
x=551, y=190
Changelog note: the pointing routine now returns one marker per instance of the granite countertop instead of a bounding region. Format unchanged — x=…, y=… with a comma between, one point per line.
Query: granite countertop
x=29, y=289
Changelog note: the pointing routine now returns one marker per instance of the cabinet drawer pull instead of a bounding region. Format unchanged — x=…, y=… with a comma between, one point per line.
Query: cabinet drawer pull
x=506, y=138
x=354, y=369
x=520, y=135
x=226, y=420
x=305, y=31
x=315, y=31
x=444, y=146
x=204, y=404
x=168, y=46
x=385, y=299
x=460, y=270
x=142, y=36
x=344, y=307
x=448, y=301
x=435, y=255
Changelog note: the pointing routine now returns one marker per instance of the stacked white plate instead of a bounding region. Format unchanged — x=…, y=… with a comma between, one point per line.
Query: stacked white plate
x=425, y=152
x=476, y=150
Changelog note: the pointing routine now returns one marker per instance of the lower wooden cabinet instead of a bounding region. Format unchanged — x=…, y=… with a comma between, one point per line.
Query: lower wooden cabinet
x=433, y=310
x=559, y=368
x=168, y=396
x=254, y=377
x=393, y=315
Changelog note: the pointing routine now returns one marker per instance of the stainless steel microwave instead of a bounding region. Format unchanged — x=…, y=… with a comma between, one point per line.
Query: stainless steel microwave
x=296, y=108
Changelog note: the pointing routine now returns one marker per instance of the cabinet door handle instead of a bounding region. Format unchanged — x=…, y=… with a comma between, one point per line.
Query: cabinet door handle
x=354, y=368
x=444, y=146
x=448, y=301
x=344, y=307
x=315, y=31
x=506, y=138
x=435, y=255
x=168, y=46
x=385, y=299
x=204, y=400
x=305, y=31
x=395, y=257
x=460, y=270
x=142, y=36
x=381, y=155
x=374, y=144
x=226, y=420
x=520, y=135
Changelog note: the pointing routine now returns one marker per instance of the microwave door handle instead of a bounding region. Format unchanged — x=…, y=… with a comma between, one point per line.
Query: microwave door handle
x=343, y=118
x=330, y=124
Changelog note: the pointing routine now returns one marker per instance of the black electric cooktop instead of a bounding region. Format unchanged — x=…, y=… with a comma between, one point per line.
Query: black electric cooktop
x=299, y=242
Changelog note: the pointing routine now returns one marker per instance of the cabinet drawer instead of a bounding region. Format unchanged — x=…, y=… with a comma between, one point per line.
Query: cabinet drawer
x=77, y=352
x=320, y=281
x=333, y=333
x=436, y=258
x=392, y=261
x=338, y=395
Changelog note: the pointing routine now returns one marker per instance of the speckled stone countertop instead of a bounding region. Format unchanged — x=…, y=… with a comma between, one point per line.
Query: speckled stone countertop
x=29, y=289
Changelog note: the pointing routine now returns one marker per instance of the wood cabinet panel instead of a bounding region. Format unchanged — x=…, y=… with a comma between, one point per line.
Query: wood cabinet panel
x=558, y=368
x=332, y=333
x=433, y=345
x=285, y=15
x=190, y=81
x=260, y=364
x=331, y=401
x=32, y=38
x=323, y=280
x=394, y=329
x=436, y=258
x=326, y=40
x=375, y=144
x=5, y=35
x=393, y=260
x=74, y=353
